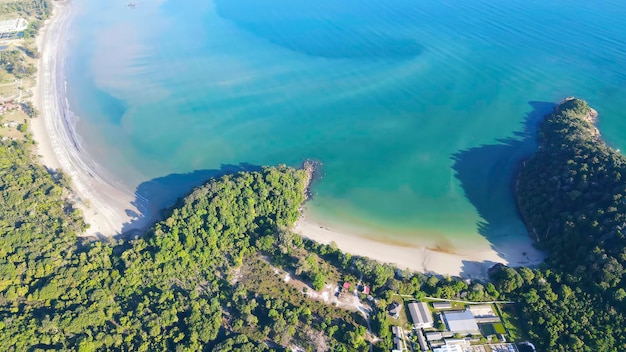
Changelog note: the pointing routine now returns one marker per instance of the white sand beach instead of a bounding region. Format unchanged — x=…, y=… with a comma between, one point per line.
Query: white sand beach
x=473, y=264
x=106, y=204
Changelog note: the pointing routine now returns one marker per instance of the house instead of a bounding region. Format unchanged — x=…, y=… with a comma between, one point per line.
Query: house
x=421, y=315
x=394, y=309
x=454, y=345
x=346, y=285
x=442, y=305
x=461, y=322
x=422, y=340
x=434, y=336
x=365, y=290
x=397, y=344
x=459, y=342
x=396, y=331
x=10, y=26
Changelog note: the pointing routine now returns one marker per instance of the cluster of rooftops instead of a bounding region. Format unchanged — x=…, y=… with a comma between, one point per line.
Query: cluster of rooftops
x=464, y=322
x=458, y=323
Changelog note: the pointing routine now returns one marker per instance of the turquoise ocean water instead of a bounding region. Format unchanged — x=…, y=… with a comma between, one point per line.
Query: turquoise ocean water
x=417, y=108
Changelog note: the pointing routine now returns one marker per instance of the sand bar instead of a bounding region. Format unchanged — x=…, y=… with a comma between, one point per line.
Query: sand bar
x=106, y=203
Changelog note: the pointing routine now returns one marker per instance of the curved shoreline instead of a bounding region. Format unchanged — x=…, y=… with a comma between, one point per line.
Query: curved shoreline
x=107, y=206
x=473, y=265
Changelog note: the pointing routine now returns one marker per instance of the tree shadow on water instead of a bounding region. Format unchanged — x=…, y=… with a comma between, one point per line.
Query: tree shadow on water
x=153, y=197
x=487, y=175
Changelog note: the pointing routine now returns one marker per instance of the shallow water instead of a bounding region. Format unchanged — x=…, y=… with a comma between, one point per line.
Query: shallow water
x=415, y=108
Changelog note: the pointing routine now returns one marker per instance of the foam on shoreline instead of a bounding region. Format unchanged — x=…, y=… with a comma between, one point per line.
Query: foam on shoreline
x=108, y=207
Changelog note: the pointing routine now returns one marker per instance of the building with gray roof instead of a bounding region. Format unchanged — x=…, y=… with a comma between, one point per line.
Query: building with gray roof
x=421, y=315
x=442, y=305
x=462, y=322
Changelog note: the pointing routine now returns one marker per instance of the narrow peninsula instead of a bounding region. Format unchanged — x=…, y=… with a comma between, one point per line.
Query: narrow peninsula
x=573, y=197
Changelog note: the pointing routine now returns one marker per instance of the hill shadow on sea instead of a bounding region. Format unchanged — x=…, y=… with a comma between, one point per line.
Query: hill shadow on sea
x=487, y=174
x=155, y=196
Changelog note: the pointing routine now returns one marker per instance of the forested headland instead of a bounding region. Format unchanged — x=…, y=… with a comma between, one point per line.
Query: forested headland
x=573, y=197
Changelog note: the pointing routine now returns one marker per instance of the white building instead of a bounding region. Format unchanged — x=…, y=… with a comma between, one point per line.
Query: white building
x=461, y=322
x=483, y=313
x=448, y=348
x=14, y=25
x=421, y=315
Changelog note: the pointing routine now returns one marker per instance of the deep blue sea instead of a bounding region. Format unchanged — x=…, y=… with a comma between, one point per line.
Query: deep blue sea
x=419, y=110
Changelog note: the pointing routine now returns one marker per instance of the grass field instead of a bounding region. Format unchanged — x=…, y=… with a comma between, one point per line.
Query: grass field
x=12, y=132
x=6, y=77
x=511, y=321
x=8, y=90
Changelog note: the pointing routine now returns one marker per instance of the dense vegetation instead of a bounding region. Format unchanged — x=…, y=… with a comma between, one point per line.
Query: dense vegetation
x=13, y=62
x=173, y=289
x=208, y=277
x=573, y=198
x=40, y=9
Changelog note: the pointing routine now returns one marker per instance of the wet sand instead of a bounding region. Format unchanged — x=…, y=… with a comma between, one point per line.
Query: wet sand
x=106, y=203
x=473, y=264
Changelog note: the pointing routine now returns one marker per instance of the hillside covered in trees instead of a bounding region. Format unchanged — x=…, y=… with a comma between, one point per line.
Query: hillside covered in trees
x=204, y=278
x=211, y=275
x=173, y=289
x=573, y=197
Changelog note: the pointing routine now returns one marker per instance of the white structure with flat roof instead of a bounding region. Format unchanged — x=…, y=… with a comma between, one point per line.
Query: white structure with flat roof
x=483, y=313
x=421, y=315
x=434, y=336
x=461, y=322
x=422, y=340
x=13, y=25
x=448, y=348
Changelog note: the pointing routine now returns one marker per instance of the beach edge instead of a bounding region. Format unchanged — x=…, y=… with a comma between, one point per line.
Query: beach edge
x=107, y=206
